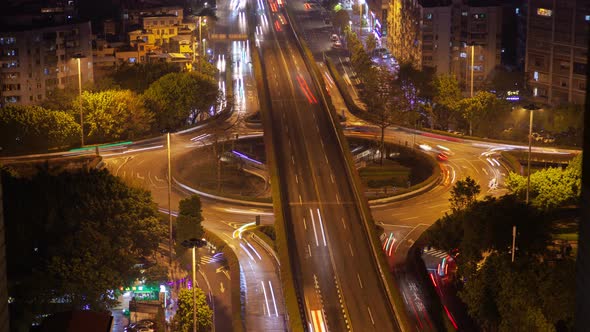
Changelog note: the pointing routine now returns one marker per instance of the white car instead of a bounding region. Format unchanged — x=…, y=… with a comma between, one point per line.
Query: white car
x=337, y=44
x=334, y=37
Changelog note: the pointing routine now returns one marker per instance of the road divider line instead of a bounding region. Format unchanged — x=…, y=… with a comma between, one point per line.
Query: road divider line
x=274, y=302
x=351, y=251
x=343, y=223
x=359, y=278
x=265, y=298
x=317, y=243
x=322, y=227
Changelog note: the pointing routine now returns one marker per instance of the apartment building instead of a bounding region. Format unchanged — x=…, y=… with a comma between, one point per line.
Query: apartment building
x=556, y=57
x=34, y=61
x=455, y=37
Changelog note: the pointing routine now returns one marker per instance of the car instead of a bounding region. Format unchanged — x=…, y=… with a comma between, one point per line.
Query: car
x=337, y=44
x=442, y=157
x=334, y=37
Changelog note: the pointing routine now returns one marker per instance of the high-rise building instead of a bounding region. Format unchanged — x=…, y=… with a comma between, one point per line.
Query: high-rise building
x=556, y=58
x=455, y=37
x=36, y=60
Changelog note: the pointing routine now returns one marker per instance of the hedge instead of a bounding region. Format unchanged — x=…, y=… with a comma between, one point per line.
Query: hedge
x=235, y=273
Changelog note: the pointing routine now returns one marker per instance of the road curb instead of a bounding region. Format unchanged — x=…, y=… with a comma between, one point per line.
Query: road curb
x=221, y=198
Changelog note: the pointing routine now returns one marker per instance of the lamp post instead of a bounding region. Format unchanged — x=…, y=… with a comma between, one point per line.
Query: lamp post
x=193, y=243
x=169, y=196
x=361, y=3
x=78, y=57
x=531, y=108
x=472, y=63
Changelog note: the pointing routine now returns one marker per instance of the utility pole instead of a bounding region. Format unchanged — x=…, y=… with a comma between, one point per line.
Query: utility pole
x=472, y=63
x=169, y=195
x=513, y=241
x=528, y=175
x=194, y=293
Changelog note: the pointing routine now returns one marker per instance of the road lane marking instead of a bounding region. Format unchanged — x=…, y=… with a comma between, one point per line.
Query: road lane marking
x=343, y=223
x=272, y=293
x=359, y=278
x=332, y=177
x=317, y=243
x=326, y=156
x=309, y=249
x=300, y=200
x=337, y=198
x=296, y=179
x=322, y=227
x=438, y=205
x=265, y=297
x=293, y=160
x=254, y=250
x=370, y=315
x=246, y=250
x=409, y=218
x=350, y=247
x=304, y=224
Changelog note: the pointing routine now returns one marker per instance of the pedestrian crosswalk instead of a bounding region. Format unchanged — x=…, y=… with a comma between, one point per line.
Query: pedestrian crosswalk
x=207, y=259
x=435, y=252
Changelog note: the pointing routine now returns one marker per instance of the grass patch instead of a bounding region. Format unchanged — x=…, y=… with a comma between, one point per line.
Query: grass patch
x=389, y=174
x=566, y=236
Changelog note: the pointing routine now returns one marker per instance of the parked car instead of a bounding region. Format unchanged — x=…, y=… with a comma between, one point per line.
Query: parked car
x=334, y=37
x=337, y=44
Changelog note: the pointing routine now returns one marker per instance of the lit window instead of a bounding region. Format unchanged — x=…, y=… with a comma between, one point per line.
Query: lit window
x=587, y=18
x=535, y=92
x=536, y=76
x=463, y=54
x=429, y=16
x=517, y=10
x=464, y=14
x=544, y=12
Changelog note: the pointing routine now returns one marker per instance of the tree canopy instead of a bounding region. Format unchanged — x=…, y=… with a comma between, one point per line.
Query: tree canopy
x=36, y=128
x=138, y=77
x=183, y=320
x=188, y=222
x=551, y=187
x=114, y=115
x=464, y=193
x=81, y=240
x=446, y=98
x=177, y=99
x=341, y=19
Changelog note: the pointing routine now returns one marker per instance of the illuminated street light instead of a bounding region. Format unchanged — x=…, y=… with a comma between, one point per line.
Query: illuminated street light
x=78, y=57
x=531, y=108
x=192, y=244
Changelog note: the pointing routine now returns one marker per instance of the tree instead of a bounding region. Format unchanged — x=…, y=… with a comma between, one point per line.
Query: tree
x=341, y=20
x=464, y=193
x=32, y=128
x=60, y=99
x=114, y=115
x=385, y=102
x=188, y=222
x=551, y=187
x=178, y=99
x=446, y=98
x=183, y=320
x=474, y=108
x=155, y=274
x=370, y=43
x=138, y=77
x=81, y=241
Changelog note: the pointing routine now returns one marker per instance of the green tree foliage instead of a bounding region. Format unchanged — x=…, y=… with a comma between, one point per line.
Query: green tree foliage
x=155, y=275
x=138, y=77
x=188, y=222
x=60, y=99
x=80, y=241
x=446, y=98
x=26, y=128
x=114, y=115
x=370, y=43
x=385, y=101
x=527, y=295
x=487, y=226
x=464, y=193
x=183, y=320
x=176, y=97
x=341, y=19
x=551, y=187
x=474, y=108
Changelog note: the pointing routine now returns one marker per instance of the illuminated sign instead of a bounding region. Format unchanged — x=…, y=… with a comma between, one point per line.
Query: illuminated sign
x=544, y=12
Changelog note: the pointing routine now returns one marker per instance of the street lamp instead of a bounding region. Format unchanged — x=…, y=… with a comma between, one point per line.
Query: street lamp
x=531, y=108
x=472, y=64
x=361, y=3
x=193, y=243
x=78, y=57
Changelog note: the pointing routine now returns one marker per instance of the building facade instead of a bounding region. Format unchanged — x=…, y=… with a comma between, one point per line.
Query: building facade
x=34, y=62
x=452, y=36
x=556, y=58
